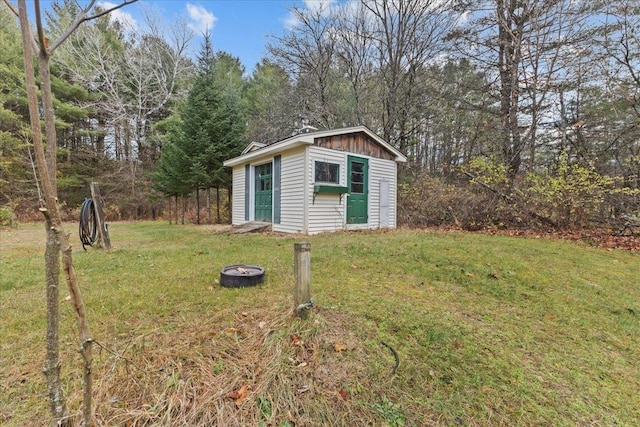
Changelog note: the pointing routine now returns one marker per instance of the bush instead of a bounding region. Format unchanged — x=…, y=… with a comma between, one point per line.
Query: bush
x=574, y=195
x=431, y=201
x=483, y=196
x=8, y=217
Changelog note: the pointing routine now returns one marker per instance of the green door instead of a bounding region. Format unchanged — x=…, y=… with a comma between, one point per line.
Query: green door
x=263, y=192
x=357, y=207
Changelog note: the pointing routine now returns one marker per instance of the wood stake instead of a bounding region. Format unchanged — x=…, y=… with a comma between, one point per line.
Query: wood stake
x=103, y=233
x=302, y=267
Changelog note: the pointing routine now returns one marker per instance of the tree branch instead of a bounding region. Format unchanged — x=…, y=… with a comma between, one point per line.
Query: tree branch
x=13, y=10
x=83, y=17
x=11, y=7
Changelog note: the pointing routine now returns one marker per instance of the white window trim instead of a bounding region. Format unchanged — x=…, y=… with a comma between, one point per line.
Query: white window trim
x=315, y=161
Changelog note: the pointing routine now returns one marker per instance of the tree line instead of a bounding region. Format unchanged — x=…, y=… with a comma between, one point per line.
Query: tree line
x=511, y=112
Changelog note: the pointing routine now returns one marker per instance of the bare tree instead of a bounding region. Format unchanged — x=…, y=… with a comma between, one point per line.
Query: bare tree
x=308, y=52
x=355, y=52
x=57, y=238
x=137, y=77
x=621, y=42
x=408, y=35
x=526, y=47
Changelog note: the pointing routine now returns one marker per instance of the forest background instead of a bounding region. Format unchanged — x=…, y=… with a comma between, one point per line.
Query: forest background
x=513, y=114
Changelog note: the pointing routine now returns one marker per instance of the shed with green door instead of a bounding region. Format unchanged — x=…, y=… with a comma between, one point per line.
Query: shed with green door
x=317, y=181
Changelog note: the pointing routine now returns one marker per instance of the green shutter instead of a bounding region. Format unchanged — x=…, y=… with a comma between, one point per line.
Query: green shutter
x=247, y=188
x=276, y=189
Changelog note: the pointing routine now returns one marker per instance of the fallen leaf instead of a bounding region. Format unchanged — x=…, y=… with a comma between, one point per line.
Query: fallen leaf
x=296, y=340
x=339, y=347
x=262, y=324
x=210, y=288
x=303, y=389
x=232, y=330
x=302, y=365
x=343, y=394
x=355, y=267
x=244, y=314
x=68, y=298
x=216, y=281
x=239, y=395
x=242, y=270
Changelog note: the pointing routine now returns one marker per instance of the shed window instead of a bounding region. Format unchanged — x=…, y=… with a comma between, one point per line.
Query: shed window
x=327, y=172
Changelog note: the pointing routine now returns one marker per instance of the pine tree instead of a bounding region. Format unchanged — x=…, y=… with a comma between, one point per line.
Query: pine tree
x=13, y=115
x=212, y=129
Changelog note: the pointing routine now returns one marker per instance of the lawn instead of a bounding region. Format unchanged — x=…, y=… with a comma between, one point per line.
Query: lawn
x=484, y=330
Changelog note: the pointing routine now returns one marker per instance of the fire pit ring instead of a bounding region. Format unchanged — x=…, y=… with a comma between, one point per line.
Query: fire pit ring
x=241, y=275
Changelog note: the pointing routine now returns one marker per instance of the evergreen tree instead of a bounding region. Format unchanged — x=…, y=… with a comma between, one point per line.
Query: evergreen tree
x=211, y=130
x=206, y=55
x=14, y=168
x=270, y=103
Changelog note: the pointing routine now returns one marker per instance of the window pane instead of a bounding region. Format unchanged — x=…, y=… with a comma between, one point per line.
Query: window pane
x=357, y=188
x=327, y=172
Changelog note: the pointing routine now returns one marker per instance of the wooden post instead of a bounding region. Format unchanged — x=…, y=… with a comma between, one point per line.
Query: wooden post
x=103, y=233
x=302, y=267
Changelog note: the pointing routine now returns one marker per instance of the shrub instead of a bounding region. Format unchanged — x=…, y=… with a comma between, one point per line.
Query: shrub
x=431, y=201
x=572, y=196
x=8, y=217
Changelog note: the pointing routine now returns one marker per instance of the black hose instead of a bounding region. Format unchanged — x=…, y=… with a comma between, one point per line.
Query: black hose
x=88, y=228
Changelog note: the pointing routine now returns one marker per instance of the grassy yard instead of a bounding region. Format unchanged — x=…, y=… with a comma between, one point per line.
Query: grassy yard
x=487, y=331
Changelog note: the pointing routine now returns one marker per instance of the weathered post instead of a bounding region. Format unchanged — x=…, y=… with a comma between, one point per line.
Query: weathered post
x=103, y=233
x=302, y=267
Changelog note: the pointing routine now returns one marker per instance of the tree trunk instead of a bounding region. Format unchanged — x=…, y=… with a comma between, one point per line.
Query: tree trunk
x=86, y=342
x=56, y=238
x=51, y=369
x=209, y=205
x=49, y=119
x=52, y=249
x=184, y=207
x=218, y=204
x=175, y=199
x=197, y=205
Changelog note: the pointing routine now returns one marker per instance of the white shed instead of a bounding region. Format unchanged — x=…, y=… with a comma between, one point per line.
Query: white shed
x=318, y=181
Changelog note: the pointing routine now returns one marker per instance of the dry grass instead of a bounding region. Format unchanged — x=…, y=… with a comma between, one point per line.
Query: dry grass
x=489, y=330
x=256, y=367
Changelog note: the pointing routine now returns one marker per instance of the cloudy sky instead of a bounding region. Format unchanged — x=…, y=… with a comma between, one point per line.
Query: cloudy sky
x=240, y=27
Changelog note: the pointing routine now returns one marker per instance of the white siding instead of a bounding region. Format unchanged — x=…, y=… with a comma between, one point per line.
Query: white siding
x=292, y=193
x=237, y=198
x=380, y=169
x=327, y=212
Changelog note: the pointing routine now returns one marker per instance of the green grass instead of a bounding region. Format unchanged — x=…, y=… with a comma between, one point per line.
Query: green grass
x=489, y=330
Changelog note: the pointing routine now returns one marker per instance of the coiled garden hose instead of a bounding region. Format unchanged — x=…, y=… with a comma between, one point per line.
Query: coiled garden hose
x=88, y=229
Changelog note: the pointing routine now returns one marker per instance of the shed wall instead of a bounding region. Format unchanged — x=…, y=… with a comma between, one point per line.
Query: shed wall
x=292, y=191
x=237, y=197
x=327, y=212
x=380, y=169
